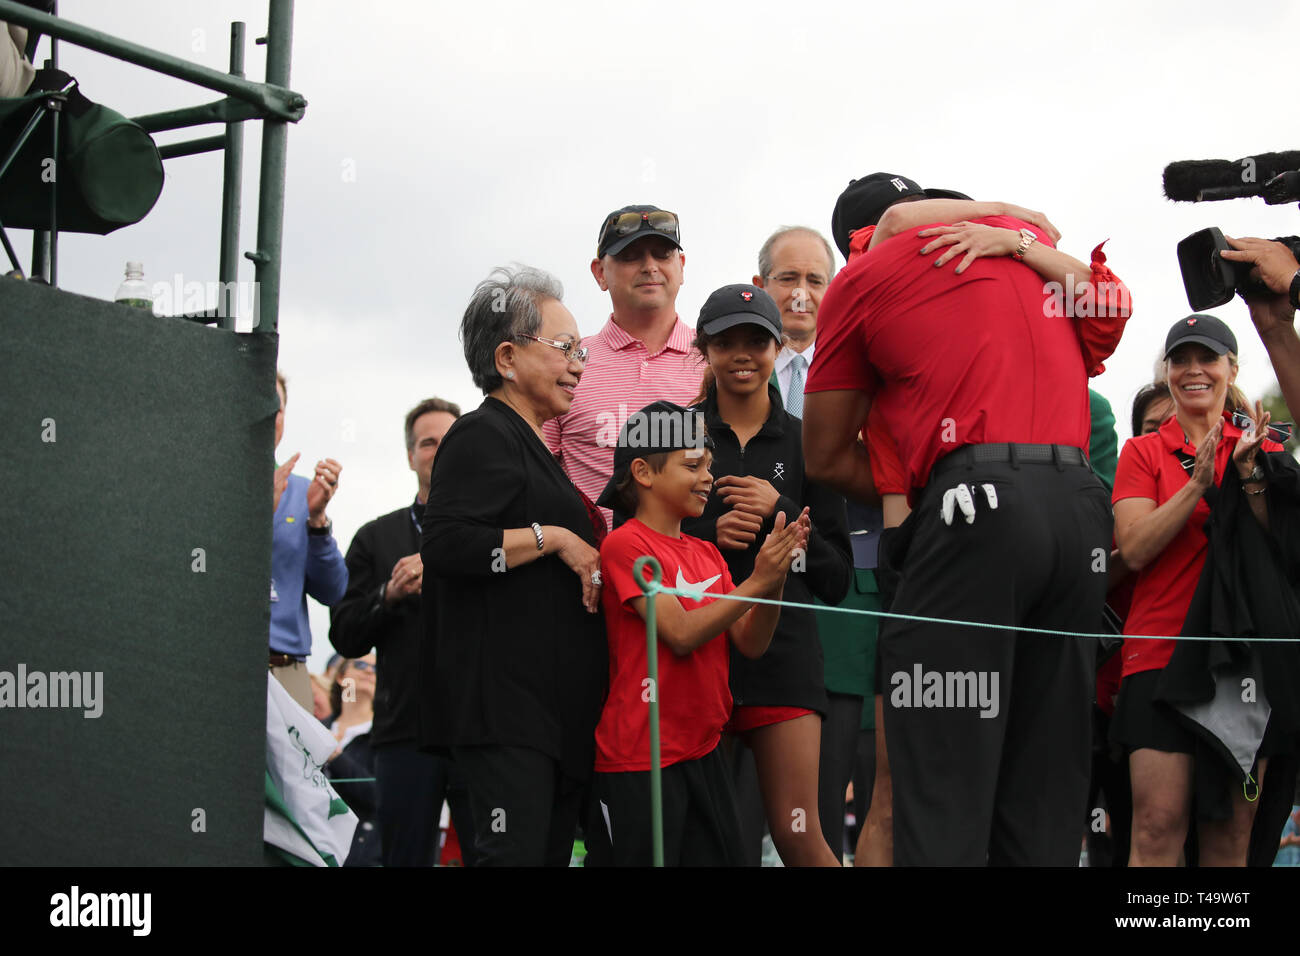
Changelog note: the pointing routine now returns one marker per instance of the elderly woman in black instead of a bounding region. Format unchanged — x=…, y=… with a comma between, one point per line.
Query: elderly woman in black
x=514, y=662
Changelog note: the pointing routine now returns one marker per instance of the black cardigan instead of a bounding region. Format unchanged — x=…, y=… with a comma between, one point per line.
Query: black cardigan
x=1249, y=588
x=791, y=673
x=509, y=657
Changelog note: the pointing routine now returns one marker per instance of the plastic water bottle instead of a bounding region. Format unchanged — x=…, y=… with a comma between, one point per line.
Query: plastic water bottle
x=133, y=291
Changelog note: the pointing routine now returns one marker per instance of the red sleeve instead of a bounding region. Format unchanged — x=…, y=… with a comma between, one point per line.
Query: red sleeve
x=840, y=361
x=618, y=553
x=1102, y=306
x=859, y=240
x=886, y=467
x=1135, y=475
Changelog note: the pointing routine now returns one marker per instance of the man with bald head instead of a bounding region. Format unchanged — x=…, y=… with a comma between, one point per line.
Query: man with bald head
x=795, y=265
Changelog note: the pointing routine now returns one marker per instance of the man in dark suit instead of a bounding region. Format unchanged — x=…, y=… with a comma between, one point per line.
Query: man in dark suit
x=381, y=609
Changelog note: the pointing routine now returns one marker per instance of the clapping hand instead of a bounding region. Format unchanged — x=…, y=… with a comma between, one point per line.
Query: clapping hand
x=323, y=485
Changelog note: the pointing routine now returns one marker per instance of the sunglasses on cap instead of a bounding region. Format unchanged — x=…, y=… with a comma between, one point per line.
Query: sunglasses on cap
x=660, y=221
x=1279, y=432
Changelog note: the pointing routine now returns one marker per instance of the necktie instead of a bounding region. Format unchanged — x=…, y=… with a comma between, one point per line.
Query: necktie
x=794, y=394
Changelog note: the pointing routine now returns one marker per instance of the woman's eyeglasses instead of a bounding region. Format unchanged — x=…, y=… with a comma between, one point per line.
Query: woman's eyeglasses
x=365, y=666
x=568, y=348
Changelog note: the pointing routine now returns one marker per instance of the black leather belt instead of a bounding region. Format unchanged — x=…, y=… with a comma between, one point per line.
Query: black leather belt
x=284, y=660
x=970, y=455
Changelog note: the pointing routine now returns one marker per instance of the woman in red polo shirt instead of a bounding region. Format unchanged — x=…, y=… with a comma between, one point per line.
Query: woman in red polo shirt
x=1159, y=519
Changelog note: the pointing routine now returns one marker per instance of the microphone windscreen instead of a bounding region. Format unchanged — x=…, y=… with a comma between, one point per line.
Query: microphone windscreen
x=1184, y=181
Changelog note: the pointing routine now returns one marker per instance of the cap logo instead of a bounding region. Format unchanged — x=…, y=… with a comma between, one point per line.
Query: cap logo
x=1191, y=321
x=747, y=296
x=898, y=184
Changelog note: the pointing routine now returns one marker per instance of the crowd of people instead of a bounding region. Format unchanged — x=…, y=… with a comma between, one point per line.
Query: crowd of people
x=912, y=433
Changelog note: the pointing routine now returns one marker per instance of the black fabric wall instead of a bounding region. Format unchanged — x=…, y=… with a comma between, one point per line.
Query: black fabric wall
x=126, y=443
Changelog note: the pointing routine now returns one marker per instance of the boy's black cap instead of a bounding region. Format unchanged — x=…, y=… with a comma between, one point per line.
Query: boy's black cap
x=738, y=304
x=612, y=244
x=659, y=427
x=1203, y=329
x=865, y=200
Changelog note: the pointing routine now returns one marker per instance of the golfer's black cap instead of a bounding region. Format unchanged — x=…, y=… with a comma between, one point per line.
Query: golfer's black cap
x=609, y=242
x=736, y=305
x=659, y=427
x=865, y=200
x=1204, y=330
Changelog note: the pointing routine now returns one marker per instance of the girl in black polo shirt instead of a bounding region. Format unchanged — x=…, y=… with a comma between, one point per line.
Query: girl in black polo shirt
x=779, y=699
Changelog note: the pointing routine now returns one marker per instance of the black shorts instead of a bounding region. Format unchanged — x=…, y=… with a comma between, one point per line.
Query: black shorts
x=1141, y=722
x=699, y=810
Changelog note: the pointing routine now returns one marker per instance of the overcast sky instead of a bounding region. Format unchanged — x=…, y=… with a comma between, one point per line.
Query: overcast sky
x=443, y=139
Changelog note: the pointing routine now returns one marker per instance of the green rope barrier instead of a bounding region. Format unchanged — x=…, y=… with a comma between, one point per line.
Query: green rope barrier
x=655, y=586
x=652, y=666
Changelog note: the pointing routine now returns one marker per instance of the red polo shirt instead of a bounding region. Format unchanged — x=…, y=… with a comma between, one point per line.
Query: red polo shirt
x=1163, y=590
x=962, y=359
x=694, y=697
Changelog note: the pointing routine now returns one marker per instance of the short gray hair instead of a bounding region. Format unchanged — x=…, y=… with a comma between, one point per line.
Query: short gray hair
x=765, y=253
x=505, y=306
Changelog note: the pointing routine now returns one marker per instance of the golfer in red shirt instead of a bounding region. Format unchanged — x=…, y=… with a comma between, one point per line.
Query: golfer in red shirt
x=976, y=338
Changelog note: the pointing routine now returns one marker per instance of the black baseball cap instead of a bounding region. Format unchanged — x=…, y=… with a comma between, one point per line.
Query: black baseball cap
x=738, y=304
x=1204, y=330
x=653, y=222
x=865, y=200
x=659, y=427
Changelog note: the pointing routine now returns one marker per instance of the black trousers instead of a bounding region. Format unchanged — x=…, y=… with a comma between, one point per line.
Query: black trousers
x=839, y=751
x=988, y=730
x=751, y=816
x=526, y=810
x=412, y=785
x=699, y=815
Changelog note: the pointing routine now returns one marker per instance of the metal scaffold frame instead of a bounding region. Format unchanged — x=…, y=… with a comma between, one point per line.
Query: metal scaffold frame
x=272, y=102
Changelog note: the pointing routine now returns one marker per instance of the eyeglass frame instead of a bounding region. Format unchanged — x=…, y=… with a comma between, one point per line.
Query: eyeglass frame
x=796, y=280
x=571, y=350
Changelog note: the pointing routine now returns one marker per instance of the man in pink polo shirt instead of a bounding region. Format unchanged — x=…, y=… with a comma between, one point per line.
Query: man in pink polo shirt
x=642, y=355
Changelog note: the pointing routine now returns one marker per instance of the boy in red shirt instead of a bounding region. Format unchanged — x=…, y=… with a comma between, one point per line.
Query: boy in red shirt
x=661, y=475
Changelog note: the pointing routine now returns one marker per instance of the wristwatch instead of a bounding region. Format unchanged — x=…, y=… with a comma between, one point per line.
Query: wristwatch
x=1027, y=239
x=1256, y=475
x=1295, y=290
x=321, y=532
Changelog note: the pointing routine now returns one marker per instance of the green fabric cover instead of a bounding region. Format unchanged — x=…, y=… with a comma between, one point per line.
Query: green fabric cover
x=163, y=433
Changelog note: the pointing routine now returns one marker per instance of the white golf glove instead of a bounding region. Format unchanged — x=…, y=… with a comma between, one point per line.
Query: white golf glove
x=963, y=497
